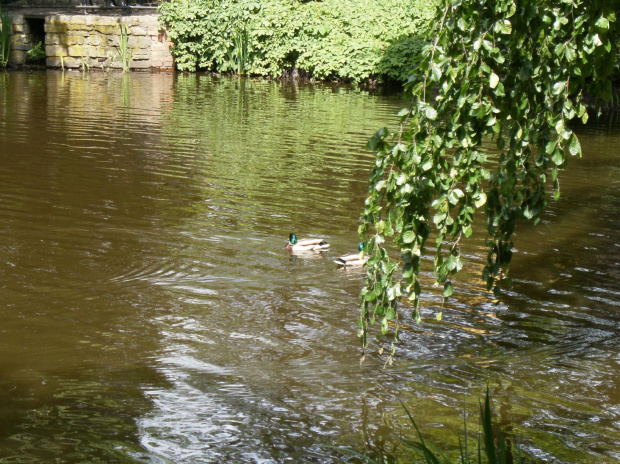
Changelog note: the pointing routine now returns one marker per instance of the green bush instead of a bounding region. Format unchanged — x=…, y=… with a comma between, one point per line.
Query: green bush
x=349, y=40
x=36, y=53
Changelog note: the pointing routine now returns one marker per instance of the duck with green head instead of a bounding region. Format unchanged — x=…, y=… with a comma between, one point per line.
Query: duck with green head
x=311, y=244
x=354, y=259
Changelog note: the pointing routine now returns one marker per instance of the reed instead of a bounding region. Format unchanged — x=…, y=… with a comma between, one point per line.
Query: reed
x=5, y=38
x=239, y=55
x=493, y=446
x=85, y=65
x=124, y=52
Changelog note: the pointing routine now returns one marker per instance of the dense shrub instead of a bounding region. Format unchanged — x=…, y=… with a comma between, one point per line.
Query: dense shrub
x=36, y=54
x=331, y=39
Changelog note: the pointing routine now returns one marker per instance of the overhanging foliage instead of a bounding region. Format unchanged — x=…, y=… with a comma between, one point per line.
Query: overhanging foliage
x=508, y=73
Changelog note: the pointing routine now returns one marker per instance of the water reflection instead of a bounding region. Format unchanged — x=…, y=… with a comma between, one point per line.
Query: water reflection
x=151, y=311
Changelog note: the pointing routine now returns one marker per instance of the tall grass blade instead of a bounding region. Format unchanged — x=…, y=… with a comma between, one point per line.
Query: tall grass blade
x=5, y=38
x=124, y=52
x=487, y=429
x=463, y=454
x=464, y=457
x=239, y=54
x=421, y=447
x=496, y=451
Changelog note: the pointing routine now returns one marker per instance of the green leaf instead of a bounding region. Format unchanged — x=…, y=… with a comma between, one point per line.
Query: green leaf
x=558, y=157
x=558, y=87
x=431, y=113
x=506, y=27
x=427, y=165
x=574, y=146
x=376, y=139
x=480, y=199
x=453, y=197
x=602, y=23
x=451, y=263
x=409, y=236
x=439, y=217
x=448, y=289
x=493, y=80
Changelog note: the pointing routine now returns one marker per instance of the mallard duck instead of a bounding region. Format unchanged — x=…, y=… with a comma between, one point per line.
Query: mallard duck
x=310, y=244
x=352, y=260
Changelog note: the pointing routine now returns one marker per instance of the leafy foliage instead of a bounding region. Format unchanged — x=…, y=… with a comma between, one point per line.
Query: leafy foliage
x=398, y=59
x=503, y=73
x=36, y=53
x=333, y=39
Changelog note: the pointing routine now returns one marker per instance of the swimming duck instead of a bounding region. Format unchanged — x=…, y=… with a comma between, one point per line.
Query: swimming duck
x=352, y=260
x=311, y=244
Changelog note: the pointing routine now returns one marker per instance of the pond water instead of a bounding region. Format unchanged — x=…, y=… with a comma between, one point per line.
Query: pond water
x=150, y=312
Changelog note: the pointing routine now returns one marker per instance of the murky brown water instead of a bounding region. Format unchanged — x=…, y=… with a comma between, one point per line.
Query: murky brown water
x=150, y=312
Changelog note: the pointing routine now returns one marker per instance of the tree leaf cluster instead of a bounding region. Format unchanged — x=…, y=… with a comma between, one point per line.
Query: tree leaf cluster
x=350, y=40
x=504, y=75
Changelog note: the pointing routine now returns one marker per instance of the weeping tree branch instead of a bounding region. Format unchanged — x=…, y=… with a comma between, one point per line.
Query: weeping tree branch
x=506, y=72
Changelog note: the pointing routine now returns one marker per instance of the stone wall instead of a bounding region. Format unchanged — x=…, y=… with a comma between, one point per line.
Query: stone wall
x=70, y=3
x=92, y=40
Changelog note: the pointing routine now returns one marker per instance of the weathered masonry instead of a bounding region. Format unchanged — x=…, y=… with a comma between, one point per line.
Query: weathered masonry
x=85, y=34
